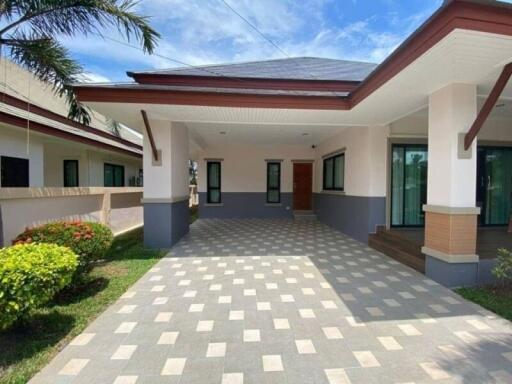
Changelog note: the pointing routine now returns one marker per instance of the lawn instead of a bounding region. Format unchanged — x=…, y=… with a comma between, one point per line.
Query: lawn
x=28, y=348
x=497, y=300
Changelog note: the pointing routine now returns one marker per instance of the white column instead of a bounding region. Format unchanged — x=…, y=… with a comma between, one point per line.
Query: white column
x=451, y=179
x=450, y=213
x=166, y=184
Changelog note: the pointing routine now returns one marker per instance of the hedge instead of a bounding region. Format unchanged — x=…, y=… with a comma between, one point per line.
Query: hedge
x=30, y=275
x=89, y=241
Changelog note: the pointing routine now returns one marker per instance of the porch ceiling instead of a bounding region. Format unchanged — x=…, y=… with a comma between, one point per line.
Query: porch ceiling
x=217, y=134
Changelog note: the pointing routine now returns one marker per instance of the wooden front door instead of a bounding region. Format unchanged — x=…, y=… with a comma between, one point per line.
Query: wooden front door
x=302, y=186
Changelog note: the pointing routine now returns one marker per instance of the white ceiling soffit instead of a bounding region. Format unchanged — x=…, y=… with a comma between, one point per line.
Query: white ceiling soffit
x=461, y=57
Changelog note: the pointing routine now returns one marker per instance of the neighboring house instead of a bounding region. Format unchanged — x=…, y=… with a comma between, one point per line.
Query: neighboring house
x=53, y=168
x=41, y=147
x=360, y=145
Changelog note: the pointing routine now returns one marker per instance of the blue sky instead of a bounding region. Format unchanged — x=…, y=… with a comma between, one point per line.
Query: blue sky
x=202, y=32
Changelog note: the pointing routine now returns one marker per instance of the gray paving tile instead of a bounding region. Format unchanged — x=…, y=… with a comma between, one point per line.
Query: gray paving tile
x=395, y=325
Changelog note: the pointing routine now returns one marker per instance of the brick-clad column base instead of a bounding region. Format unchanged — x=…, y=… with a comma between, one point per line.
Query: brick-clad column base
x=450, y=244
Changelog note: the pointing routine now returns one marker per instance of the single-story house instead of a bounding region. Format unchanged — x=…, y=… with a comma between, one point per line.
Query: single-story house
x=41, y=147
x=422, y=141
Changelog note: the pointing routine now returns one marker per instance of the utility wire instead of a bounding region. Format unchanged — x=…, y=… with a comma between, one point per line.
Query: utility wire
x=200, y=68
x=256, y=29
x=268, y=39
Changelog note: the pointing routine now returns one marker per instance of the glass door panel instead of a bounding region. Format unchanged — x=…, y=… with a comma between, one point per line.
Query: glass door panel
x=495, y=185
x=408, y=184
x=397, y=186
x=415, y=186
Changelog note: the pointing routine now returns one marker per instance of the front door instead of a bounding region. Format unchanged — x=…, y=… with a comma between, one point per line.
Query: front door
x=302, y=186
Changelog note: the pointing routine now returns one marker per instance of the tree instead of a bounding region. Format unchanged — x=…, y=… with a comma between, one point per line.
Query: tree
x=30, y=28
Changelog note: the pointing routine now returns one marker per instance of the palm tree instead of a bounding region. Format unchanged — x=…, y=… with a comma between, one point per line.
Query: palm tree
x=30, y=28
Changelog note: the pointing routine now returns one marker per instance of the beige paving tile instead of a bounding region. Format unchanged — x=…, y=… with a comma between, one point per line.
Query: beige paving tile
x=174, y=366
x=73, y=367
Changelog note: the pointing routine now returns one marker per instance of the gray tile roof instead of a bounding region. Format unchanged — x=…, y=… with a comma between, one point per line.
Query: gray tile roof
x=301, y=68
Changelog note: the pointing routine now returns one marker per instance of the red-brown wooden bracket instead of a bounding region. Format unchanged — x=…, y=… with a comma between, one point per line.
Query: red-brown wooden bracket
x=150, y=134
x=488, y=105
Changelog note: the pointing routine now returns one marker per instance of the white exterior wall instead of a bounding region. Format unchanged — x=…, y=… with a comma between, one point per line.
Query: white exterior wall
x=90, y=164
x=13, y=143
x=365, y=160
x=46, y=159
x=244, y=168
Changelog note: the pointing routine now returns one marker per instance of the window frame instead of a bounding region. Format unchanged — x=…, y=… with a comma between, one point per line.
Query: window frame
x=333, y=158
x=77, y=173
x=4, y=172
x=278, y=188
x=208, y=187
x=114, y=166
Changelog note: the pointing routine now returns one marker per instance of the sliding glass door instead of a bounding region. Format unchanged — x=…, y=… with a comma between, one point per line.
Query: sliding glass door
x=408, y=185
x=494, y=185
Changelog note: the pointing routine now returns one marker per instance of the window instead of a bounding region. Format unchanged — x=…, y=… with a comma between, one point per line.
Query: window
x=334, y=173
x=70, y=173
x=113, y=175
x=14, y=172
x=213, y=182
x=273, y=182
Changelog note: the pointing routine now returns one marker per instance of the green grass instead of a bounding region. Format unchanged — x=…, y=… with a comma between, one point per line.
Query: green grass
x=496, y=300
x=194, y=214
x=29, y=347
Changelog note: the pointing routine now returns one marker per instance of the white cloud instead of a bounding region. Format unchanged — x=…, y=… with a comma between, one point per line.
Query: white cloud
x=90, y=77
x=201, y=32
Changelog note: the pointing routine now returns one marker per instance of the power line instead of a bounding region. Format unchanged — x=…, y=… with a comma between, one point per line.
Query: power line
x=218, y=74
x=256, y=29
x=269, y=40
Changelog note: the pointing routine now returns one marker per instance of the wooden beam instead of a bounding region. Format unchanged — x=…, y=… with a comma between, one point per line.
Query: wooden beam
x=150, y=134
x=488, y=105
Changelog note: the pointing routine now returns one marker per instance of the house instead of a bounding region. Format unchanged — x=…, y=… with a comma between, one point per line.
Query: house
x=41, y=147
x=422, y=141
x=54, y=168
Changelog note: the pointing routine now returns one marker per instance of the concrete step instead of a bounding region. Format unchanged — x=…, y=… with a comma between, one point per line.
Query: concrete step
x=304, y=215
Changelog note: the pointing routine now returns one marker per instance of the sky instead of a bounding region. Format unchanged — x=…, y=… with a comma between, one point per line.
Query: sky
x=200, y=32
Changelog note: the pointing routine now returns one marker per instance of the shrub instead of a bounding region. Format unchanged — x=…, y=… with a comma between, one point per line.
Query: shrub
x=89, y=241
x=30, y=275
x=503, y=268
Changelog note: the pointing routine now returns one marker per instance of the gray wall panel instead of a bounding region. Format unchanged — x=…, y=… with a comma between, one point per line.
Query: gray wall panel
x=245, y=205
x=356, y=216
x=165, y=223
x=451, y=274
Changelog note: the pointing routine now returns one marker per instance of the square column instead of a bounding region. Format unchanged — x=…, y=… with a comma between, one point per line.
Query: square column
x=451, y=213
x=166, y=185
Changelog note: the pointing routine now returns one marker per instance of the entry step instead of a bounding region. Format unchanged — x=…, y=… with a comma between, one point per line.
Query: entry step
x=304, y=215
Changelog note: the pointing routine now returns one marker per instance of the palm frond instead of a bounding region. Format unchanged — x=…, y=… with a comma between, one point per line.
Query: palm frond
x=31, y=29
x=77, y=111
x=45, y=57
x=114, y=126
x=70, y=17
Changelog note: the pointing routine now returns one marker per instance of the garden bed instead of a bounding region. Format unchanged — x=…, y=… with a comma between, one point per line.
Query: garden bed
x=28, y=348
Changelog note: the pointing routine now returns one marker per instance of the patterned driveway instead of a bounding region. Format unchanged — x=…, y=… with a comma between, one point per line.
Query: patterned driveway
x=282, y=301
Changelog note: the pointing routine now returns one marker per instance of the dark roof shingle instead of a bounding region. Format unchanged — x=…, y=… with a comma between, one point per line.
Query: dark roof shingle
x=298, y=68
